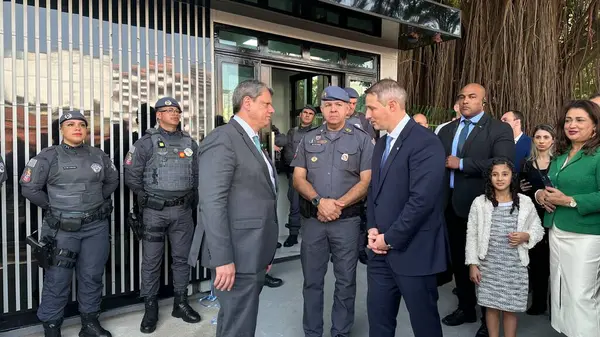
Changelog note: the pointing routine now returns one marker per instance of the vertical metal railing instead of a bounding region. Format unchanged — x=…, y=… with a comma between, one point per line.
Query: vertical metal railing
x=79, y=54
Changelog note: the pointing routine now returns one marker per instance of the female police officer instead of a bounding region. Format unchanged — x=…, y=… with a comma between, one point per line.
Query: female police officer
x=73, y=183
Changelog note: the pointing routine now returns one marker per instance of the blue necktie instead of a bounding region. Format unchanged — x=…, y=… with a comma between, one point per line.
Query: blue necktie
x=388, y=142
x=257, y=143
x=462, y=138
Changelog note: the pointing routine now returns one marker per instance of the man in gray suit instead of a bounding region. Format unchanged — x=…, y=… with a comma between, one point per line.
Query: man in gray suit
x=237, y=230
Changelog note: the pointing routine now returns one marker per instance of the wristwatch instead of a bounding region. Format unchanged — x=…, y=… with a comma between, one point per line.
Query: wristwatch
x=316, y=200
x=572, y=203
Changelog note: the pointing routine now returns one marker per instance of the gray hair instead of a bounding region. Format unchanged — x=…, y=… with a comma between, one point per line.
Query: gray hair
x=249, y=88
x=386, y=90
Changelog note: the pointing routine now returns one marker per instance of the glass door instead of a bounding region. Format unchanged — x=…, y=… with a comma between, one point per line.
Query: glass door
x=231, y=71
x=306, y=90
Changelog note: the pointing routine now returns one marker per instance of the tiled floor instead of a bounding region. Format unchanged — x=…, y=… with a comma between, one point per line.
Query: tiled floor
x=281, y=314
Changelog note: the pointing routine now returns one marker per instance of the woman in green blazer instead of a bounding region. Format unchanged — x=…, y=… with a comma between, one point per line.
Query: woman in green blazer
x=572, y=206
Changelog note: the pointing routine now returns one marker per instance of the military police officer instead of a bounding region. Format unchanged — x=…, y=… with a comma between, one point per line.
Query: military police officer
x=332, y=173
x=73, y=183
x=356, y=118
x=290, y=144
x=161, y=169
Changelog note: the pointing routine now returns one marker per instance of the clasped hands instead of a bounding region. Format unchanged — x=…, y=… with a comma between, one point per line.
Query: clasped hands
x=329, y=210
x=376, y=242
x=551, y=197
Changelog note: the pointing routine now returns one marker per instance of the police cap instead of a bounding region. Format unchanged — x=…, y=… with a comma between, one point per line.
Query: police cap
x=76, y=114
x=167, y=102
x=352, y=93
x=334, y=93
x=309, y=107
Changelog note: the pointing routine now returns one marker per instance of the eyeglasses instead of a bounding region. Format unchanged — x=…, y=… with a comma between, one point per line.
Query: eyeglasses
x=170, y=111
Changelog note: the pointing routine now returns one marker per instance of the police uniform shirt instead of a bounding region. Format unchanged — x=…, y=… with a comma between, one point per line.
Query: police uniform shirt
x=44, y=166
x=335, y=160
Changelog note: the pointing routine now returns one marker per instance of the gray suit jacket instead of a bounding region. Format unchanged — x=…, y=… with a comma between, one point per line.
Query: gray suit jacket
x=238, y=218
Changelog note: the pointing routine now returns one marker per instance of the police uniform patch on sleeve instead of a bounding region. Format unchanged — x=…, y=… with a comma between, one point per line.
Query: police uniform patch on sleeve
x=96, y=167
x=26, y=177
x=1, y=167
x=129, y=158
x=132, y=150
x=32, y=162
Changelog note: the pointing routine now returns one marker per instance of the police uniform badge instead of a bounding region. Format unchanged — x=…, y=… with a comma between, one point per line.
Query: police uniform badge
x=314, y=159
x=167, y=102
x=188, y=152
x=68, y=116
x=348, y=130
x=96, y=167
x=345, y=157
x=129, y=156
x=26, y=175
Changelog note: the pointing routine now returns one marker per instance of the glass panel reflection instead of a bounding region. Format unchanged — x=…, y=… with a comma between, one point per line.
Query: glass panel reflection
x=323, y=55
x=238, y=40
x=283, y=48
x=360, y=61
x=54, y=62
x=232, y=74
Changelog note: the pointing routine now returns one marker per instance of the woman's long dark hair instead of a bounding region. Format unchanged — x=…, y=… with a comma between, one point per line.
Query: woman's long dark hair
x=490, y=192
x=563, y=143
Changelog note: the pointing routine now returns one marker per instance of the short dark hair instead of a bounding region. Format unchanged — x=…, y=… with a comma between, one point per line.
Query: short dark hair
x=593, y=110
x=518, y=115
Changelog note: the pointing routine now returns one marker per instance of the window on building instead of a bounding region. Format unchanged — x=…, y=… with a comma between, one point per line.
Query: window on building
x=238, y=40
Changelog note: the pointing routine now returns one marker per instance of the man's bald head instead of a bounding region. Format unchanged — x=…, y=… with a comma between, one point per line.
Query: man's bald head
x=421, y=120
x=471, y=99
x=595, y=98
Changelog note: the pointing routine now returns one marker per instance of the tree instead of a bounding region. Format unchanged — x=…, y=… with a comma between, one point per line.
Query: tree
x=531, y=55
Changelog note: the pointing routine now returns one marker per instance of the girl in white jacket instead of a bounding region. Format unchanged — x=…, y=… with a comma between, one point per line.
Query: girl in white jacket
x=503, y=225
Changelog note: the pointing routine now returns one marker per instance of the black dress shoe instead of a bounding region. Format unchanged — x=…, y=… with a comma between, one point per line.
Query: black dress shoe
x=291, y=240
x=536, y=311
x=278, y=245
x=273, y=282
x=483, y=331
x=459, y=317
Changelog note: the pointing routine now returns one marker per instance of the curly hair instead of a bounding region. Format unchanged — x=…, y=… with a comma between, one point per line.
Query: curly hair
x=490, y=192
x=563, y=143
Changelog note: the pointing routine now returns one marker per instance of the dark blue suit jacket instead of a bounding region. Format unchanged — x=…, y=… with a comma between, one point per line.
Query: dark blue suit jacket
x=405, y=202
x=522, y=150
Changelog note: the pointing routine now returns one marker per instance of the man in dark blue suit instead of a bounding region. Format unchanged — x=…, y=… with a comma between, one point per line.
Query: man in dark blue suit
x=405, y=217
x=515, y=119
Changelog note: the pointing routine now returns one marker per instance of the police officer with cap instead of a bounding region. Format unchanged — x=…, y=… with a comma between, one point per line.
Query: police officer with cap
x=290, y=144
x=356, y=118
x=332, y=171
x=73, y=183
x=161, y=169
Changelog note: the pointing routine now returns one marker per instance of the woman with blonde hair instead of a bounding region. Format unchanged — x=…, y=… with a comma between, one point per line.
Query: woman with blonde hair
x=534, y=176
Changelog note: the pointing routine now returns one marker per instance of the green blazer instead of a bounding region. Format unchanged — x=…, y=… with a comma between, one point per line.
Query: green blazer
x=579, y=179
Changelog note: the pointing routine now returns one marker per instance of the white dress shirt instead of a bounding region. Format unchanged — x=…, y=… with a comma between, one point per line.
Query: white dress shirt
x=251, y=133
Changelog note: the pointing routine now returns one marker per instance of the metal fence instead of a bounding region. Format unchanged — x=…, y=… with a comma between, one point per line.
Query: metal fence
x=112, y=60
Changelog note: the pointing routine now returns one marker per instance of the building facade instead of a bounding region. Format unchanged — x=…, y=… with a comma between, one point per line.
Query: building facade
x=114, y=59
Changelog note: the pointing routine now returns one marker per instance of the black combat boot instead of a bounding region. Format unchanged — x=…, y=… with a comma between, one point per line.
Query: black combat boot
x=181, y=309
x=52, y=328
x=90, y=327
x=150, y=316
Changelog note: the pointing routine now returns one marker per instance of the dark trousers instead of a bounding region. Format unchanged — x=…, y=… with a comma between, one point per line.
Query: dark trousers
x=319, y=241
x=92, y=245
x=177, y=222
x=539, y=273
x=294, y=199
x=457, y=233
x=385, y=290
x=238, y=310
